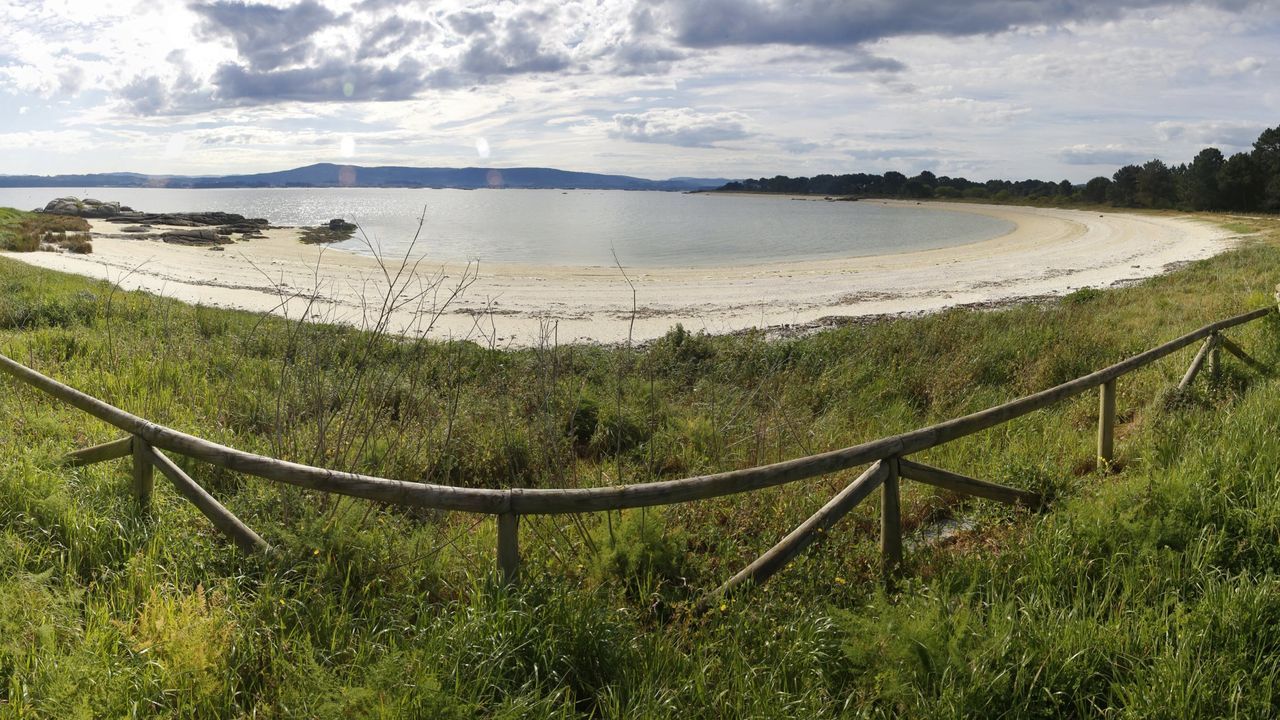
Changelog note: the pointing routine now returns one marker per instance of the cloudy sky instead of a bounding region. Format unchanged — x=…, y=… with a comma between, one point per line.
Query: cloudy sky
x=656, y=88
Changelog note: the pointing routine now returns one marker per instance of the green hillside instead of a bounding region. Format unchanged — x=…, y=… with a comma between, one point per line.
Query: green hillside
x=1151, y=592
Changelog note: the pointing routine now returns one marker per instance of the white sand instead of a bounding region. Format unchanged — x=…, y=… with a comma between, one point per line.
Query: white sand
x=1050, y=252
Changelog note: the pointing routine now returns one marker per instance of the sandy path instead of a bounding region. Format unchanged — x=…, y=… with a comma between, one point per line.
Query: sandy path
x=1050, y=252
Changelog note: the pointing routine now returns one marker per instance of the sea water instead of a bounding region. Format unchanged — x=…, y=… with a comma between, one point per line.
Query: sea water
x=575, y=227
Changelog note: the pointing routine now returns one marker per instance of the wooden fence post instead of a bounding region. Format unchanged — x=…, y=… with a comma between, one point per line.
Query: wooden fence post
x=1106, y=425
x=1215, y=364
x=143, y=474
x=509, y=547
x=891, y=521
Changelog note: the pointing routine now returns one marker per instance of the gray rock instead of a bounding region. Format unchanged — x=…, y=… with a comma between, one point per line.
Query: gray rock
x=88, y=208
x=195, y=236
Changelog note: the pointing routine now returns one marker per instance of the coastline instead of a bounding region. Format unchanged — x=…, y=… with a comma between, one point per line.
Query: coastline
x=1050, y=252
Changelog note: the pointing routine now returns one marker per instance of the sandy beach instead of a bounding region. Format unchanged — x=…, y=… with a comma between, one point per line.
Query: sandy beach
x=1051, y=252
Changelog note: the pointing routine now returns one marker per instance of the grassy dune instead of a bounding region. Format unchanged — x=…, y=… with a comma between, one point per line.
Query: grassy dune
x=1149, y=593
x=22, y=231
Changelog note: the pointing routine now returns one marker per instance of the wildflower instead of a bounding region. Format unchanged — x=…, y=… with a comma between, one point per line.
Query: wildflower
x=840, y=580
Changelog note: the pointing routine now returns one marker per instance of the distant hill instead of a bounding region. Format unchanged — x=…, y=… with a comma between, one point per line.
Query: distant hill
x=331, y=175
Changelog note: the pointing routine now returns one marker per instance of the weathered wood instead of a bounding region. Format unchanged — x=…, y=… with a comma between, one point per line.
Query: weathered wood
x=1244, y=357
x=373, y=488
x=143, y=475
x=890, y=521
x=1106, y=424
x=966, y=485
x=244, y=537
x=765, y=566
x=100, y=453
x=509, y=548
x=1197, y=362
x=549, y=501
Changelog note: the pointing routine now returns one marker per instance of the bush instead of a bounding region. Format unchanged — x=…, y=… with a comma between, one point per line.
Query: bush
x=643, y=551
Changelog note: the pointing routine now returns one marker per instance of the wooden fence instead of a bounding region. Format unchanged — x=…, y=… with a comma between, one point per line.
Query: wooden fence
x=887, y=458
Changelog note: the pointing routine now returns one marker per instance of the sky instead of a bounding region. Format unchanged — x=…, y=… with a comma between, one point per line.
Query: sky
x=1053, y=89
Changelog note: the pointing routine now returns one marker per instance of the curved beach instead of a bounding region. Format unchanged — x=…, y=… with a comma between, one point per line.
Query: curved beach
x=1050, y=252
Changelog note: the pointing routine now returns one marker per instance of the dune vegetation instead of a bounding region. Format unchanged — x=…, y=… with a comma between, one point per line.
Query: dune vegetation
x=1153, y=591
x=22, y=231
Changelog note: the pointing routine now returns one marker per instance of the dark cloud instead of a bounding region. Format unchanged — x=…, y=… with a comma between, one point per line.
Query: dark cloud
x=514, y=47
x=146, y=95
x=265, y=36
x=798, y=147
x=836, y=23
x=470, y=23
x=866, y=62
x=390, y=36
x=644, y=57
x=331, y=80
x=683, y=127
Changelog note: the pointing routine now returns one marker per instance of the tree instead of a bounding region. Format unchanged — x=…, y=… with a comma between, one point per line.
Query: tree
x=1266, y=155
x=926, y=178
x=917, y=190
x=1240, y=184
x=1066, y=189
x=893, y=182
x=1124, y=186
x=1200, y=182
x=1095, y=191
x=1155, y=186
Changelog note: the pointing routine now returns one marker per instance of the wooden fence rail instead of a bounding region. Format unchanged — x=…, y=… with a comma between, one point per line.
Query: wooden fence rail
x=886, y=456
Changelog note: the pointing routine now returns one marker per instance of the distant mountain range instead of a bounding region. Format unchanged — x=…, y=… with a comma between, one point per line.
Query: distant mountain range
x=331, y=175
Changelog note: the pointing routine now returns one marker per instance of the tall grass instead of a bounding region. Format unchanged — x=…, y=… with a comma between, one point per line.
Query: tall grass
x=1127, y=598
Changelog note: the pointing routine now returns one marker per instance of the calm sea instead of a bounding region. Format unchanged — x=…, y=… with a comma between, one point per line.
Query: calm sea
x=575, y=227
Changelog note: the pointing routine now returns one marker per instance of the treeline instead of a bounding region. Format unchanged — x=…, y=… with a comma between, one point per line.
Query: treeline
x=1248, y=181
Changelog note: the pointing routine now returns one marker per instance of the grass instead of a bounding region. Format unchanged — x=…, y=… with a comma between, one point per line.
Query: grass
x=22, y=231
x=1131, y=597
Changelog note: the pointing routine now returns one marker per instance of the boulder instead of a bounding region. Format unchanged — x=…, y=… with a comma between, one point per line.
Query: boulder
x=195, y=236
x=87, y=208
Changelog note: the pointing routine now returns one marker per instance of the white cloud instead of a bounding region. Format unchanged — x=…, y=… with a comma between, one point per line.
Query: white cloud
x=579, y=83
x=1223, y=133
x=1109, y=155
x=680, y=126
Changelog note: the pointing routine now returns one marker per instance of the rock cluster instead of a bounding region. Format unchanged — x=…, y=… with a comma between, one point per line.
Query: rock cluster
x=196, y=228
x=196, y=236
x=88, y=208
x=238, y=223
x=226, y=224
x=336, y=231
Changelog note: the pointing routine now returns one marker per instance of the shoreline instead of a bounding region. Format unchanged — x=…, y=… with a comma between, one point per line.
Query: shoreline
x=1050, y=252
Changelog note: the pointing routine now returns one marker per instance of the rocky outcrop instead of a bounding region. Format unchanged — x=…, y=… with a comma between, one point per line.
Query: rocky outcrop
x=240, y=223
x=88, y=208
x=196, y=236
x=336, y=231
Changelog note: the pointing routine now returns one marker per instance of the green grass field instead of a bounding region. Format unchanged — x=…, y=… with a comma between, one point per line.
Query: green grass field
x=1153, y=592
